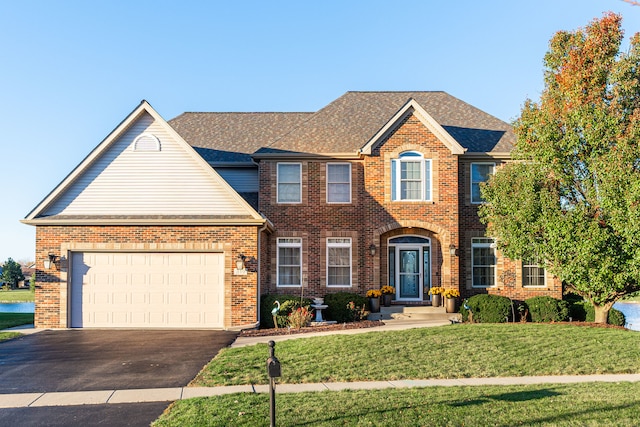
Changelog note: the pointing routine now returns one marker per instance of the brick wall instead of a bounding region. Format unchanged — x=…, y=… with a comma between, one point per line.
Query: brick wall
x=371, y=218
x=240, y=292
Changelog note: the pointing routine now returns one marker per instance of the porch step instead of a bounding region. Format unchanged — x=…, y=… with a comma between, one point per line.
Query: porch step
x=418, y=313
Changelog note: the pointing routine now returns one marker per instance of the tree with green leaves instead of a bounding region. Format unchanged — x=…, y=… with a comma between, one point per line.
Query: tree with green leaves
x=571, y=198
x=11, y=273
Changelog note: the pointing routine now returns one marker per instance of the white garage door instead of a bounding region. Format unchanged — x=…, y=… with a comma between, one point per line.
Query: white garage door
x=133, y=290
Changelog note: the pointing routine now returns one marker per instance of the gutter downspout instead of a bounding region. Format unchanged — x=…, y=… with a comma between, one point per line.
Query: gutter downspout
x=267, y=225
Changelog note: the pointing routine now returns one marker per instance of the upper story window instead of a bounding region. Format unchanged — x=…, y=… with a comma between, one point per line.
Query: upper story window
x=483, y=262
x=532, y=273
x=480, y=172
x=289, y=183
x=339, y=262
x=338, y=183
x=411, y=177
x=289, y=262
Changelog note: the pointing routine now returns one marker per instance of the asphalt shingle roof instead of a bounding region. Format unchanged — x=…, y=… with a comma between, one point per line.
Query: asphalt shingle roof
x=343, y=126
x=233, y=137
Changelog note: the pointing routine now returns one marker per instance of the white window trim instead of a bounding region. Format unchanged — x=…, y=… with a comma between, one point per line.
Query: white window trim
x=491, y=245
x=327, y=183
x=278, y=182
x=396, y=180
x=340, y=245
x=544, y=275
x=475, y=202
x=279, y=245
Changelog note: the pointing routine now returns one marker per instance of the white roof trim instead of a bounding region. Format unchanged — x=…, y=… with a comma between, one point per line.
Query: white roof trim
x=144, y=107
x=412, y=106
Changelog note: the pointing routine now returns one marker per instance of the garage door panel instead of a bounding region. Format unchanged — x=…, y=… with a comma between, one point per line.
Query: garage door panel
x=147, y=289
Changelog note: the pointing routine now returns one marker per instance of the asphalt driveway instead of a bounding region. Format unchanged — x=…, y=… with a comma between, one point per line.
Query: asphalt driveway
x=83, y=359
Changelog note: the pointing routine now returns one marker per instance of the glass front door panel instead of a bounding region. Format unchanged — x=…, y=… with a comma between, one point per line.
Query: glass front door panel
x=409, y=274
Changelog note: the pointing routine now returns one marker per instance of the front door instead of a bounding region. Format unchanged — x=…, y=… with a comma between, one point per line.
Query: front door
x=409, y=274
x=409, y=267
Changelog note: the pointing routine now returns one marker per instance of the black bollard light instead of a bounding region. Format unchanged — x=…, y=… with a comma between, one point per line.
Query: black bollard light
x=273, y=371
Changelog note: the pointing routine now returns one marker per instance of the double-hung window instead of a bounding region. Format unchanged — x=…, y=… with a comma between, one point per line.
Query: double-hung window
x=480, y=172
x=338, y=262
x=411, y=177
x=289, y=182
x=483, y=262
x=289, y=262
x=338, y=183
x=532, y=273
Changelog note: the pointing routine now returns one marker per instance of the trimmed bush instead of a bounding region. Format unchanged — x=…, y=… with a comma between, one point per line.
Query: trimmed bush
x=487, y=309
x=287, y=304
x=547, y=309
x=583, y=311
x=338, y=309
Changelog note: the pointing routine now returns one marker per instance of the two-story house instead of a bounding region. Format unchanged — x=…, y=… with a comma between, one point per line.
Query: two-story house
x=186, y=223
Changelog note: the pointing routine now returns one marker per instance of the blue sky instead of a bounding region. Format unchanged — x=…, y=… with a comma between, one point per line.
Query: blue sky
x=72, y=70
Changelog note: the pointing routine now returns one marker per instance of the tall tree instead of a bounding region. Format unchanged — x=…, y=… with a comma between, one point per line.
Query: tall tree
x=572, y=197
x=12, y=273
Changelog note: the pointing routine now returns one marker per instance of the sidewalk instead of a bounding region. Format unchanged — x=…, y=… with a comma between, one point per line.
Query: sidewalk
x=97, y=397
x=22, y=400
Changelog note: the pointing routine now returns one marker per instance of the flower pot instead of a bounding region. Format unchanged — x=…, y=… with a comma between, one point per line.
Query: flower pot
x=386, y=300
x=450, y=305
x=374, y=305
x=436, y=300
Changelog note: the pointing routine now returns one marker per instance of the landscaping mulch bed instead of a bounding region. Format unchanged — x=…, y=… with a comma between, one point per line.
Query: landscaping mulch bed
x=324, y=328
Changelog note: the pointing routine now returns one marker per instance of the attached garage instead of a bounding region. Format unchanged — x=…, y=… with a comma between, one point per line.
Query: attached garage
x=138, y=289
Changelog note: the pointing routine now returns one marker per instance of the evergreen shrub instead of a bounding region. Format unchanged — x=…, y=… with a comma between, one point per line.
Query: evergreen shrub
x=547, y=309
x=338, y=306
x=487, y=309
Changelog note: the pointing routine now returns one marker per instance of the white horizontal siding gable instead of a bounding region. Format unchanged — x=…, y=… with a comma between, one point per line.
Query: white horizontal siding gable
x=144, y=169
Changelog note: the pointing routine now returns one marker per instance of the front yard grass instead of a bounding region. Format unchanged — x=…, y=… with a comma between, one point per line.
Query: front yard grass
x=456, y=351
x=18, y=295
x=9, y=320
x=587, y=404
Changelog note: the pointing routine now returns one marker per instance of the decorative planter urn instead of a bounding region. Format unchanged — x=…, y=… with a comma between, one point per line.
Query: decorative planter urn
x=450, y=305
x=436, y=300
x=374, y=305
x=386, y=299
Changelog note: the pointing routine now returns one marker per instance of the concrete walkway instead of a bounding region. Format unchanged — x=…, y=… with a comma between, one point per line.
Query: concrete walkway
x=32, y=400
x=97, y=397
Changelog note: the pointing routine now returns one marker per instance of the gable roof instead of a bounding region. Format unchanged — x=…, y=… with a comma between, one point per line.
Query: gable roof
x=117, y=184
x=232, y=137
x=350, y=122
x=342, y=128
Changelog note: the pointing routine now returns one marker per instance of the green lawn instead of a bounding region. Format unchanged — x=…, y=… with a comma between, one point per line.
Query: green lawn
x=21, y=295
x=467, y=350
x=587, y=404
x=456, y=351
x=9, y=320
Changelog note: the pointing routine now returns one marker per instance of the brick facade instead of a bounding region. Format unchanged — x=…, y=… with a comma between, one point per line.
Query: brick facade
x=240, y=291
x=449, y=220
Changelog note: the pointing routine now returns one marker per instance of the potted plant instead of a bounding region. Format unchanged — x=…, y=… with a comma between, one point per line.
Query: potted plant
x=387, y=294
x=436, y=296
x=374, y=300
x=450, y=296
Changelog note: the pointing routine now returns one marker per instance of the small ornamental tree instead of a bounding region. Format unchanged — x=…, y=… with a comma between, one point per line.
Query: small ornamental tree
x=11, y=273
x=572, y=197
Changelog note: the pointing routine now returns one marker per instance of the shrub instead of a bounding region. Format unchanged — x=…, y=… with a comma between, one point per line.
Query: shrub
x=299, y=317
x=287, y=304
x=547, y=309
x=339, y=306
x=616, y=317
x=583, y=311
x=487, y=309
